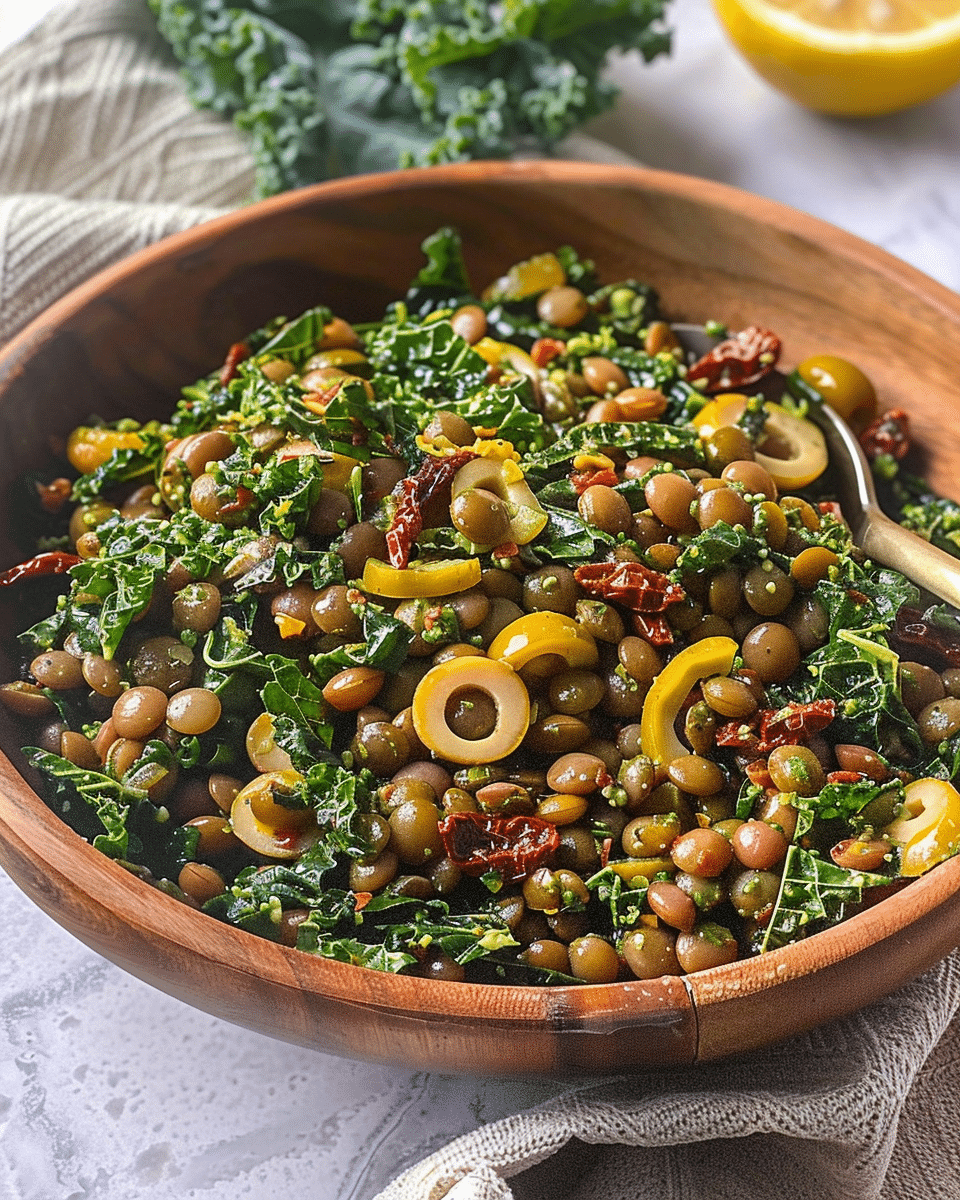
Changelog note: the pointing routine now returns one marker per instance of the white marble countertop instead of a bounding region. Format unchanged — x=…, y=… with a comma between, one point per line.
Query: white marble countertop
x=110, y=1089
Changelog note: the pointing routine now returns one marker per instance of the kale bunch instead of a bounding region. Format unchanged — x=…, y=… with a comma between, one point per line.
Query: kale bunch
x=333, y=87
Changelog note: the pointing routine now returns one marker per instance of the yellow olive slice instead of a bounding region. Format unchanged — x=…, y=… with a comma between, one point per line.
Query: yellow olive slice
x=504, y=478
x=535, y=634
x=799, y=450
x=632, y=870
x=929, y=829
x=710, y=656
x=262, y=750
x=794, y=452
x=456, y=676
x=442, y=577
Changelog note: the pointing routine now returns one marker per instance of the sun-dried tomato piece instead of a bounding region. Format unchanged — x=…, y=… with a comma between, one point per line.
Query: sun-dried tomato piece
x=741, y=737
x=51, y=562
x=544, y=350
x=794, y=723
x=406, y=525
x=927, y=641
x=654, y=629
x=845, y=776
x=631, y=584
x=771, y=727
x=514, y=846
x=437, y=473
x=741, y=359
x=888, y=434
x=235, y=356
x=582, y=480
x=412, y=495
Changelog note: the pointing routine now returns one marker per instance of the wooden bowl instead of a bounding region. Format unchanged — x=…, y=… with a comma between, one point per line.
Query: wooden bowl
x=125, y=342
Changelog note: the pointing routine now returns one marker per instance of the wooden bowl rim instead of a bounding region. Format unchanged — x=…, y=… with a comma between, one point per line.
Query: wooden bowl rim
x=23, y=813
x=706, y=192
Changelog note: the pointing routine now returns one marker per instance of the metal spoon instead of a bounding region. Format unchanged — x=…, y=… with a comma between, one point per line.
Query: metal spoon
x=881, y=538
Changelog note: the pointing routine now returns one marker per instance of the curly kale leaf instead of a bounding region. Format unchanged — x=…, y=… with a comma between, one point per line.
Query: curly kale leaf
x=846, y=801
x=116, y=815
x=865, y=603
x=396, y=931
x=814, y=893
x=365, y=85
x=423, y=365
x=244, y=65
x=297, y=709
x=443, y=281
x=428, y=360
x=859, y=674
x=109, y=591
x=935, y=518
x=566, y=537
x=384, y=647
x=259, y=895
x=124, y=466
x=247, y=680
x=721, y=545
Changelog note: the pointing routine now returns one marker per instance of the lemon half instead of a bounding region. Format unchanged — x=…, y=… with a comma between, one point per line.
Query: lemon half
x=852, y=58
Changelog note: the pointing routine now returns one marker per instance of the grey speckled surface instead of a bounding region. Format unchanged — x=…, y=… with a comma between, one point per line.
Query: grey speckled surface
x=112, y=1090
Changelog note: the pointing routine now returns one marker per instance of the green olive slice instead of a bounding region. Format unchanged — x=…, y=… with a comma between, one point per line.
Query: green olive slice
x=270, y=828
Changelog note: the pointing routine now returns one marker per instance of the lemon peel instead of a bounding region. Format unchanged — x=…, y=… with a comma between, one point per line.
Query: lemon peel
x=853, y=59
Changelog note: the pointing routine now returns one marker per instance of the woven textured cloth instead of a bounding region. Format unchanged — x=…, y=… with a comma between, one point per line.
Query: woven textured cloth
x=861, y=1109
x=101, y=154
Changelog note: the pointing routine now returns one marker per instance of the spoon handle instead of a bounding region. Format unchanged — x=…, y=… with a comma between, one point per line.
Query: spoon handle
x=889, y=543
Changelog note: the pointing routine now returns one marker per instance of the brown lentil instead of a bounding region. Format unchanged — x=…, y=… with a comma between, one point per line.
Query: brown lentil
x=605, y=509
x=353, y=688
x=139, y=711
x=603, y=377
x=650, y=952
x=706, y=946
x=755, y=480
x=57, y=670
x=758, y=845
x=563, y=306
x=671, y=497
x=193, y=711
x=772, y=650
x=702, y=852
x=593, y=960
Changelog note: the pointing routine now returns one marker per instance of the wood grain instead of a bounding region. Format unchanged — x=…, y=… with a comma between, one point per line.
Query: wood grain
x=124, y=344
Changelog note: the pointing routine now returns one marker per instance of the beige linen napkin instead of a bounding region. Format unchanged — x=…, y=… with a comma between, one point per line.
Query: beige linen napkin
x=101, y=154
x=856, y=1110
